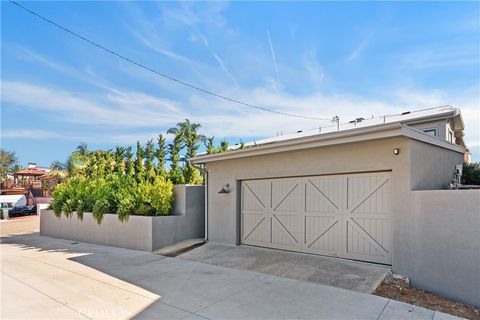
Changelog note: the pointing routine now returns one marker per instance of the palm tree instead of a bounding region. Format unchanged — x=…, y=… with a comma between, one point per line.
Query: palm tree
x=223, y=145
x=187, y=132
x=77, y=161
x=58, y=165
x=175, y=171
x=82, y=149
x=209, y=145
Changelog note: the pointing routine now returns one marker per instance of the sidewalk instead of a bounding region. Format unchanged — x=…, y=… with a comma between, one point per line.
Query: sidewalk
x=49, y=278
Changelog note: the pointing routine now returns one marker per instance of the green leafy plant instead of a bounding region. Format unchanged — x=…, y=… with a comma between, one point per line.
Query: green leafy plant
x=161, y=156
x=471, y=173
x=114, y=182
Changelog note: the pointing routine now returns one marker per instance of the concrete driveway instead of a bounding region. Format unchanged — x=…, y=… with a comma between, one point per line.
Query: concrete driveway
x=46, y=278
x=358, y=276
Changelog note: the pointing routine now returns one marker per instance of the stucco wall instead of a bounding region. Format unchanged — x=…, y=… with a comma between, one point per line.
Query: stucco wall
x=139, y=232
x=223, y=219
x=135, y=234
x=432, y=167
x=443, y=254
x=439, y=125
x=188, y=221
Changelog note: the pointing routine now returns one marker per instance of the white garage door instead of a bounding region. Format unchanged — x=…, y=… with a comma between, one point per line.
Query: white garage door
x=345, y=216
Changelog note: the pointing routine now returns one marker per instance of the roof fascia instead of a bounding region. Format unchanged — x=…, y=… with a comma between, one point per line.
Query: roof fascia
x=328, y=139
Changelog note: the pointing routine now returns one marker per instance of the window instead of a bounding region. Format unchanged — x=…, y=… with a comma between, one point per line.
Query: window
x=431, y=132
x=450, y=136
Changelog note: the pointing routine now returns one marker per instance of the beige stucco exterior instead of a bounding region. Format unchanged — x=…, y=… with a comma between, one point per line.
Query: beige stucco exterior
x=418, y=166
x=423, y=163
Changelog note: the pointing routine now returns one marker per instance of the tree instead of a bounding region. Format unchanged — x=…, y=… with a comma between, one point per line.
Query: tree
x=77, y=162
x=175, y=148
x=161, y=155
x=223, y=145
x=8, y=160
x=109, y=162
x=101, y=164
x=119, y=161
x=129, y=166
x=58, y=165
x=82, y=149
x=16, y=167
x=149, y=157
x=139, y=168
x=209, y=145
x=187, y=132
x=471, y=173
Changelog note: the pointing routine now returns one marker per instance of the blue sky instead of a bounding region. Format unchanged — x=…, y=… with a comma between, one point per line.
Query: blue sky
x=313, y=58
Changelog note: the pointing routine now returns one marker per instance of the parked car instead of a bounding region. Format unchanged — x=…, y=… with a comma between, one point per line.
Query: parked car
x=22, y=211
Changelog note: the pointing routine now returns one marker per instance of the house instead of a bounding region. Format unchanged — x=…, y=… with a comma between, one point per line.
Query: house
x=348, y=191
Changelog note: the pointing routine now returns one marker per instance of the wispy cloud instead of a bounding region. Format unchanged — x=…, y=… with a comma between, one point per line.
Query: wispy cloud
x=313, y=68
x=87, y=137
x=101, y=116
x=273, y=54
x=31, y=134
x=116, y=108
x=440, y=57
x=357, y=52
x=219, y=60
x=151, y=39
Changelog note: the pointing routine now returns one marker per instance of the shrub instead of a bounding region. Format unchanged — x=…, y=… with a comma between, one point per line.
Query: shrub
x=114, y=193
x=471, y=173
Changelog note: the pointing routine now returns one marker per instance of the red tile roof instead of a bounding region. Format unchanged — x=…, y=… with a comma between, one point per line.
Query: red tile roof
x=30, y=172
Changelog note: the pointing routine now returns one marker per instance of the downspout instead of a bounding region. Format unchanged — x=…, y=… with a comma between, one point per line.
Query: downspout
x=202, y=168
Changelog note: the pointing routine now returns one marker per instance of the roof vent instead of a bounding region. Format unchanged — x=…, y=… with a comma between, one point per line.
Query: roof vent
x=406, y=112
x=299, y=131
x=357, y=120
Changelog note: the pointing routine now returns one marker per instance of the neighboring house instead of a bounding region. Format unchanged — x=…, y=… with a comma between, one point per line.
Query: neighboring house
x=338, y=191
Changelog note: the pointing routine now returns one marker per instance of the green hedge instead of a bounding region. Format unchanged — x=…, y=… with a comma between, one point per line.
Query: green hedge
x=113, y=193
x=471, y=173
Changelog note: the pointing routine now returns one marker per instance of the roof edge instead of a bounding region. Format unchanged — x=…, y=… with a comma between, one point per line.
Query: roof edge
x=418, y=135
x=333, y=138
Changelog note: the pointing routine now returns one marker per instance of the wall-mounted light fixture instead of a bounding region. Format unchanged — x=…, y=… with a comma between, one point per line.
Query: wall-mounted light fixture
x=396, y=151
x=225, y=189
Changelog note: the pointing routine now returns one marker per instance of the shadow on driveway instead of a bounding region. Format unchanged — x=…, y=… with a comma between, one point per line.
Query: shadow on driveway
x=107, y=282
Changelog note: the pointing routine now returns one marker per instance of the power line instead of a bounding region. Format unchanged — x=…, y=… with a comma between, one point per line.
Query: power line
x=138, y=64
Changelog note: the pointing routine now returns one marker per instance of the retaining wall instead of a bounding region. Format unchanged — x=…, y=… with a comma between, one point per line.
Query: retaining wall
x=139, y=232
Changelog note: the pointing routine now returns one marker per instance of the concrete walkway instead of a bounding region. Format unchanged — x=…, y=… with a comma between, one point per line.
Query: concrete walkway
x=358, y=276
x=46, y=278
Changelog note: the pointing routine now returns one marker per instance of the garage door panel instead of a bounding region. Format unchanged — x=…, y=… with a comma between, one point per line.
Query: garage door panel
x=286, y=195
x=323, y=234
x=365, y=193
x=337, y=215
x=255, y=228
x=286, y=230
x=324, y=194
x=361, y=244
x=255, y=195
